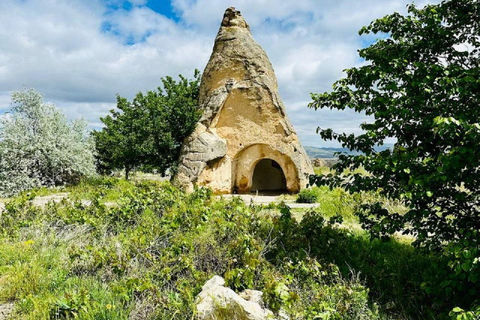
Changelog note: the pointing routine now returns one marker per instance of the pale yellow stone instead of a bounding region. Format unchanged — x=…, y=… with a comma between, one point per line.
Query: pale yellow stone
x=244, y=120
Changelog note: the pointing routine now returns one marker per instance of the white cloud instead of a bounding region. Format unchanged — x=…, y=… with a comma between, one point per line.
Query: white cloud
x=80, y=54
x=139, y=22
x=5, y=103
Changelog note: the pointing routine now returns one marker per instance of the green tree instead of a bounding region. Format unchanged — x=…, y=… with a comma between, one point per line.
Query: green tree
x=39, y=147
x=148, y=132
x=421, y=86
x=121, y=143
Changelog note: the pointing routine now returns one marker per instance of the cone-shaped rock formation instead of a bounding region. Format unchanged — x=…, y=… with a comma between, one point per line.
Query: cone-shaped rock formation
x=244, y=141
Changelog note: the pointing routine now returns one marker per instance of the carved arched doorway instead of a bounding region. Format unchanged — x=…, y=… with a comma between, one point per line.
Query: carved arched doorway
x=255, y=162
x=268, y=176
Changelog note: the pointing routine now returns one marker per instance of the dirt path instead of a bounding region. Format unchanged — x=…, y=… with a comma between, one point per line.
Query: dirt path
x=247, y=198
x=43, y=200
x=267, y=199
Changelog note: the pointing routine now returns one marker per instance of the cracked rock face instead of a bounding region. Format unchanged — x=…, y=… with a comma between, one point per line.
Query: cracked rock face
x=218, y=302
x=244, y=141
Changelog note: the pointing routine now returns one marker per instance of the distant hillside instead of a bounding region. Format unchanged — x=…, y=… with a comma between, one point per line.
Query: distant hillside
x=329, y=152
x=324, y=152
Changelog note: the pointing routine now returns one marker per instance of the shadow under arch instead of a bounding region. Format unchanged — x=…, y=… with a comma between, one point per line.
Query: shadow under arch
x=246, y=160
x=268, y=177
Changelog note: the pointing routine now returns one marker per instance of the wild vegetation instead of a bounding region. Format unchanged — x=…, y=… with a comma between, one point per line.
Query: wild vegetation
x=146, y=255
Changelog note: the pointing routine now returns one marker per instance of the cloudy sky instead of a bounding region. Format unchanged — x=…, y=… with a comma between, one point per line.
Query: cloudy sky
x=81, y=53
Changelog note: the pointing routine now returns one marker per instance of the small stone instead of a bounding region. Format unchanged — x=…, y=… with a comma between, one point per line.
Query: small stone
x=6, y=310
x=319, y=162
x=215, y=302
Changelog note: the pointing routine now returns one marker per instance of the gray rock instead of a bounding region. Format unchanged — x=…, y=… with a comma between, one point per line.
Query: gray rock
x=206, y=147
x=253, y=296
x=6, y=310
x=318, y=162
x=216, y=281
x=216, y=302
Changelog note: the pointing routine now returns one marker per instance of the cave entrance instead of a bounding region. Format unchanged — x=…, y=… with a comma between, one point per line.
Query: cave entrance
x=268, y=177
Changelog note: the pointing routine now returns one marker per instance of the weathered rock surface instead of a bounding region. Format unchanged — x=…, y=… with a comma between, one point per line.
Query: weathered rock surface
x=6, y=310
x=318, y=162
x=216, y=302
x=243, y=110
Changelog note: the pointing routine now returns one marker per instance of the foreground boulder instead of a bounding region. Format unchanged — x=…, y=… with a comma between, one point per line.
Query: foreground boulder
x=216, y=302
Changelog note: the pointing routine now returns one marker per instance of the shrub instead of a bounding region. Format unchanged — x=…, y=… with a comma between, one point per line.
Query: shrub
x=150, y=252
x=39, y=147
x=309, y=195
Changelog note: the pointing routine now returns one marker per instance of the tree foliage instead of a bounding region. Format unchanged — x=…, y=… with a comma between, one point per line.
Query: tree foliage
x=421, y=87
x=39, y=147
x=148, y=132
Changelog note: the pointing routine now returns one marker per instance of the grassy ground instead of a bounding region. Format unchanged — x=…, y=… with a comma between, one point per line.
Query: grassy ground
x=143, y=250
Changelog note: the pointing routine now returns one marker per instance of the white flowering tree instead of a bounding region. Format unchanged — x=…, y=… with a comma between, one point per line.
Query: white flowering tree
x=40, y=147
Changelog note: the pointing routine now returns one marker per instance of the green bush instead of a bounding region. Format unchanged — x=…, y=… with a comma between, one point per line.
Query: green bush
x=309, y=195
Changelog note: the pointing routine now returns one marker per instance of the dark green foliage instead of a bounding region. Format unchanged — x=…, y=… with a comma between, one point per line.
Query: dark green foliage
x=421, y=86
x=310, y=195
x=149, y=131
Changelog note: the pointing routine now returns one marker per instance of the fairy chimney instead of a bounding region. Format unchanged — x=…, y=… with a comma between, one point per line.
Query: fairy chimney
x=244, y=141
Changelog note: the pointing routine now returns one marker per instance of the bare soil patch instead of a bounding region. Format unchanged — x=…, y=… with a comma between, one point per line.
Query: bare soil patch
x=266, y=199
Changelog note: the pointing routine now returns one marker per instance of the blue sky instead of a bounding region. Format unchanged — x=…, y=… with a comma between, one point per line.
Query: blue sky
x=80, y=54
x=162, y=7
